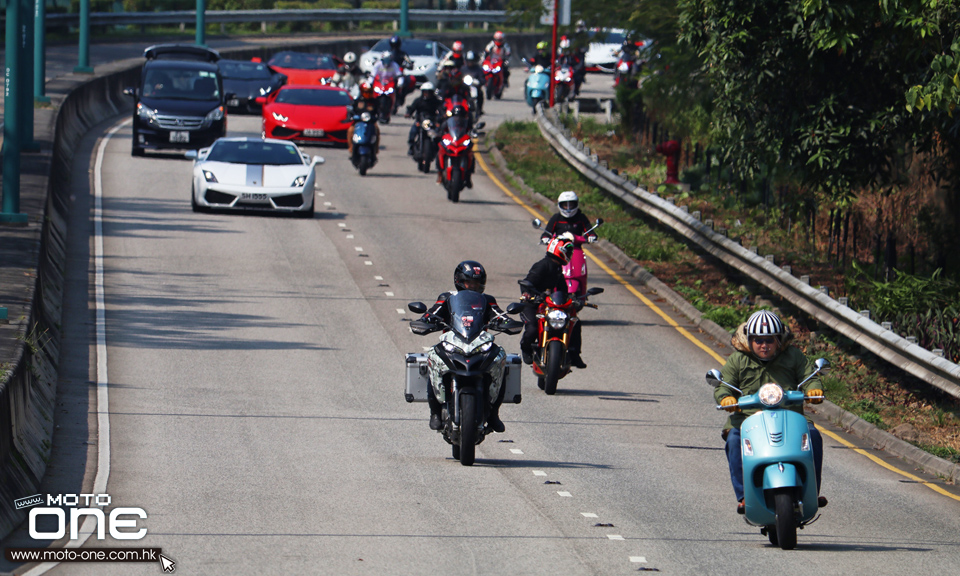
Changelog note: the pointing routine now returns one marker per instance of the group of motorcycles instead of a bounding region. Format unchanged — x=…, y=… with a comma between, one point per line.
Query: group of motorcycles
x=466, y=369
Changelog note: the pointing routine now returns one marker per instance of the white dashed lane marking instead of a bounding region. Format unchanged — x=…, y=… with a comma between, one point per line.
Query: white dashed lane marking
x=390, y=294
x=539, y=473
x=401, y=311
x=638, y=559
x=589, y=515
x=565, y=494
x=615, y=537
x=367, y=263
x=516, y=451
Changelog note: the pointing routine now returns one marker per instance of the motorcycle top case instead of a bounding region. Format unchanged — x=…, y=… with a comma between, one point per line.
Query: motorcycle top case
x=511, y=379
x=418, y=379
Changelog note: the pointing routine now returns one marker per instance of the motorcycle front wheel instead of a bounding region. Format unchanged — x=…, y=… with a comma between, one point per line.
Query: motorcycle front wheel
x=551, y=375
x=468, y=429
x=786, y=527
x=454, y=186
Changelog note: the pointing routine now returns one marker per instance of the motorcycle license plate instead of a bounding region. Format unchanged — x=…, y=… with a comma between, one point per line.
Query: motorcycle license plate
x=314, y=133
x=253, y=197
x=179, y=137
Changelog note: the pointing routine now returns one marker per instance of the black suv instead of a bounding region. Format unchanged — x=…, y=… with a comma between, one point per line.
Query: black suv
x=180, y=101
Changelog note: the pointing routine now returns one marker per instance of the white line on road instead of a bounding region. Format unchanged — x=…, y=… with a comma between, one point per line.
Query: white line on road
x=638, y=559
x=565, y=494
x=539, y=473
x=516, y=451
x=589, y=515
x=615, y=537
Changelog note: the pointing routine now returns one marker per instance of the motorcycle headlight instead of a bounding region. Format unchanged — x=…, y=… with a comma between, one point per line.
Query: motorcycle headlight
x=300, y=181
x=557, y=319
x=468, y=80
x=426, y=124
x=146, y=114
x=447, y=140
x=770, y=394
x=486, y=68
x=624, y=68
x=214, y=115
x=466, y=142
x=452, y=348
x=378, y=90
x=208, y=176
x=486, y=347
x=366, y=117
x=747, y=448
x=497, y=69
x=280, y=117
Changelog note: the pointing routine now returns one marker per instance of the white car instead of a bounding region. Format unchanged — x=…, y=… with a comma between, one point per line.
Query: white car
x=253, y=174
x=604, y=49
x=426, y=55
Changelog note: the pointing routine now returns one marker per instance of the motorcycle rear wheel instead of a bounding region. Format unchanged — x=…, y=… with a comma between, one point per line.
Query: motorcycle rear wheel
x=555, y=354
x=786, y=527
x=468, y=429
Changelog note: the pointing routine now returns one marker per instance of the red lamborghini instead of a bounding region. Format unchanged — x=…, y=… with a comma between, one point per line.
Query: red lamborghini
x=306, y=114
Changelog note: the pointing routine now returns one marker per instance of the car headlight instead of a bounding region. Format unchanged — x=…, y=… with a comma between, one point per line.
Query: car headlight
x=280, y=117
x=557, y=319
x=265, y=91
x=146, y=114
x=770, y=394
x=300, y=181
x=214, y=115
x=208, y=176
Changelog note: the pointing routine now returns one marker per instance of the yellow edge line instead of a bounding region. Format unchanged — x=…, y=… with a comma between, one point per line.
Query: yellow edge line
x=699, y=344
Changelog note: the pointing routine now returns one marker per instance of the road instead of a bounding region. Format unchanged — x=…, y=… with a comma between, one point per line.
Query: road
x=256, y=405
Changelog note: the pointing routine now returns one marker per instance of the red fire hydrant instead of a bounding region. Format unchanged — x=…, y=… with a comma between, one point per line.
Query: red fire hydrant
x=671, y=149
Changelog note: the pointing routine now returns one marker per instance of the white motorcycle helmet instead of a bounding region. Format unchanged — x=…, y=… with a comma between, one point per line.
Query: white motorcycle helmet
x=569, y=204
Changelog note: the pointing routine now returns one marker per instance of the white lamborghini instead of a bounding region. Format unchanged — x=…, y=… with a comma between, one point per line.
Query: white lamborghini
x=253, y=174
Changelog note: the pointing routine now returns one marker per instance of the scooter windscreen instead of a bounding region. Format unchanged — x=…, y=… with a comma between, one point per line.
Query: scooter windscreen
x=467, y=310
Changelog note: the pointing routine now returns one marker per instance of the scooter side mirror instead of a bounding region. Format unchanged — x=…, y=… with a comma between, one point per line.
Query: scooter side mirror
x=515, y=308
x=714, y=379
x=822, y=364
x=599, y=222
x=594, y=291
x=536, y=223
x=417, y=307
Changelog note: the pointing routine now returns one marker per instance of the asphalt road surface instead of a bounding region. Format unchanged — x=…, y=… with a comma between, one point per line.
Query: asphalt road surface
x=256, y=406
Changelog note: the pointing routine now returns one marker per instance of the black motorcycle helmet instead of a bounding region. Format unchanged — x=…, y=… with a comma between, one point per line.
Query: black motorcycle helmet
x=470, y=275
x=395, y=42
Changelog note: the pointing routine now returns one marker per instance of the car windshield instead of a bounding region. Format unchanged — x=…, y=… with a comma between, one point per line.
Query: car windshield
x=302, y=61
x=254, y=152
x=181, y=84
x=240, y=70
x=411, y=47
x=313, y=97
x=607, y=37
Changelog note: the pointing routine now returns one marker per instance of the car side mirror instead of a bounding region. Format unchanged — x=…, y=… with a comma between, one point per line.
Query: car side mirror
x=190, y=154
x=318, y=160
x=417, y=307
x=261, y=100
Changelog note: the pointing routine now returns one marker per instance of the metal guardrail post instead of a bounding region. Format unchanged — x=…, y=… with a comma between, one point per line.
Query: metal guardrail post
x=11, y=127
x=201, y=37
x=40, y=51
x=83, y=64
x=26, y=78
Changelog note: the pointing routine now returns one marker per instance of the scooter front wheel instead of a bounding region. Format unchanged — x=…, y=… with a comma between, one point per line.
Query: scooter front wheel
x=786, y=527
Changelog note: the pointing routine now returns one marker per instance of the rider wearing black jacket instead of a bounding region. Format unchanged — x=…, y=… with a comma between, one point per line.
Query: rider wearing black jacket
x=469, y=275
x=426, y=107
x=546, y=276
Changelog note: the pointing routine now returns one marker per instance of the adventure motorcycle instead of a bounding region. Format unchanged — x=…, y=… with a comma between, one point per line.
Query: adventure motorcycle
x=493, y=73
x=556, y=317
x=453, y=156
x=779, y=473
x=575, y=271
x=466, y=371
x=365, y=143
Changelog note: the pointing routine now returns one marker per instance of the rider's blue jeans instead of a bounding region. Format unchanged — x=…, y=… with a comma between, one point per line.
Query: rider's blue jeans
x=735, y=458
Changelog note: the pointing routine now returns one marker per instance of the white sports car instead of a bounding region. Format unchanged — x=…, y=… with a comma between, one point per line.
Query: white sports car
x=253, y=174
x=426, y=55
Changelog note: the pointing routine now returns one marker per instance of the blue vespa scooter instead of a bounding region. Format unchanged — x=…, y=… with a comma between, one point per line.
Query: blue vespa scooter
x=779, y=474
x=537, y=87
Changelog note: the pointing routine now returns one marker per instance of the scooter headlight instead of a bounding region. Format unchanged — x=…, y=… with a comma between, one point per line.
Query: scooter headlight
x=770, y=394
x=747, y=448
x=805, y=443
x=365, y=117
x=557, y=319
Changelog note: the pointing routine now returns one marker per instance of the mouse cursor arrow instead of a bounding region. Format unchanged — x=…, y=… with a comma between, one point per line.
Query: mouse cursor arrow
x=167, y=564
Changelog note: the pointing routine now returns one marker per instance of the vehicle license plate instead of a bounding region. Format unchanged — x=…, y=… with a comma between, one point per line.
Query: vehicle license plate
x=233, y=102
x=313, y=133
x=253, y=196
x=180, y=137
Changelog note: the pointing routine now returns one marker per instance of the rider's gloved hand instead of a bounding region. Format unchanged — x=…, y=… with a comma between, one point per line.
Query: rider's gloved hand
x=729, y=404
x=814, y=392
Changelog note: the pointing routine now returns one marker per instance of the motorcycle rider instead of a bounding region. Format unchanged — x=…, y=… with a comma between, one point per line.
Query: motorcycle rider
x=542, y=57
x=546, y=276
x=763, y=353
x=366, y=102
x=569, y=219
x=500, y=47
x=426, y=107
x=468, y=275
x=386, y=69
x=404, y=61
x=575, y=58
x=474, y=69
x=348, y=74
x=455, y=56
